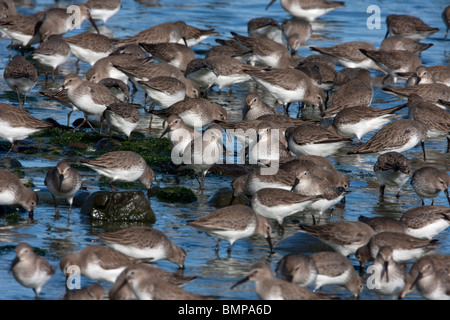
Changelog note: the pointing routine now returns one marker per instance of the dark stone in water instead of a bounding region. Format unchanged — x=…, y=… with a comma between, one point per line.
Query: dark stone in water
x=107, y=145
x=175, y=195
x=9, y=163
x=119, y=206
x=222, y=197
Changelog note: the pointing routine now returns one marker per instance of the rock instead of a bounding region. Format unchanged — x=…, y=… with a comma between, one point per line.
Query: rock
x=119, y=206
x=107, y=145
x=9, y=163
x=233, y=170
x=175, y=194
x=221, y=198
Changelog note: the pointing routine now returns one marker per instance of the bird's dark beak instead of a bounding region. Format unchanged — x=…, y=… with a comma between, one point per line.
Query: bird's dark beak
x=270, y=4
x=94, y=24
x=296, y=182
x=240, y=282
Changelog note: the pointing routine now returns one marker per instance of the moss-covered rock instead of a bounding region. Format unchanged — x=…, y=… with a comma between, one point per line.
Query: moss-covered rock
x=175, y=195
x=119, y=206
x=222, y=197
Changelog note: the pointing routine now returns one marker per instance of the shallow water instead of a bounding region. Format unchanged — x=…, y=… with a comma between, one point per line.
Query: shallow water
x=216, y=274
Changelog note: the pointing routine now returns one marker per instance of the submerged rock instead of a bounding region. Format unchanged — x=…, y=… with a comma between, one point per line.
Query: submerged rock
x=175, y=194
x=222, y=197
x=119, y=206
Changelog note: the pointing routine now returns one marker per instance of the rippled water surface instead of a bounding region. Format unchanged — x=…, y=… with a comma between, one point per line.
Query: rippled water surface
x=216, y=274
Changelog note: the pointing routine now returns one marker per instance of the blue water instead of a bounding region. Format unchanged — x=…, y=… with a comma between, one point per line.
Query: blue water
x=215, y=273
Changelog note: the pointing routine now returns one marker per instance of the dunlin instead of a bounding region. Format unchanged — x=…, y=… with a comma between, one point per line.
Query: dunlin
x=335, y=269
x=318, y=166
x=433, y=74
x=122, y=166
x=89, y=47
x=296, y=31
x=93, y=291
x=321, y=72
x=345, y=75
x=233, y=223
x=265, y=27
x=290, y=85
x=406, y=44
x=354, y=93
x=345, y=237
x=52, y=53
x=446, y=19
x=229, y=48
x=103, y=10
x=382, y=224
x=96, y=262
x=17, y=124
x=425, y=221
x=29, y=269
x=310, y=139
x=108, y=67
x=179, y=135
x=348, y=54
x=433, y=92
x=170, y=31
x=117, y=87
x=398, y=135
x=91, y=98
x=436, y=119
x=255, y=107
x=408, y=26
x=63, y=181
x=277, y=204
x=145, y=243
x=395, y=63
x=308, y=9
x=7, y=9
x=404, y=247
x=194, y=35
x=432, y=283
x=165, y=91
x=392, y=169
x=360, y=120
x=203, y=152
x=248, y=184
x=122, y=117
x=21, y=76
x=428, y=182
x=121, y=289
x=266, y=52
x=176, y=54
x=21, y=29
x=441, y=263
x=59, y=21
x=230, y=71
x=147, y=288
x=268, y=287
x=388, y=275
x=297, y=268
x=203, y=72
x=195, y=112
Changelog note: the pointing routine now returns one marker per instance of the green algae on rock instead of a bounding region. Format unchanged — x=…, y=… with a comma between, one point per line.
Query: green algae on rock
x=175, y=195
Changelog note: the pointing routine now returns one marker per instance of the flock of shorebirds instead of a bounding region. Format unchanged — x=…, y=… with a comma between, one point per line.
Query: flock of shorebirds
x=160, y=61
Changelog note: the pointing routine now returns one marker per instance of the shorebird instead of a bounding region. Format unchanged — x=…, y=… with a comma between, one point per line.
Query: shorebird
x=233, y=223
x=93, y=291
x=122, y=166
x=392, y=169
x=63, y=181
x=122, y=117
x=145, y=243
x=296, y=32
x=425, y=222
x=439, y=73
x=103, y=10
x=308, y=9
x=17, y=124
x=31, y=270
x=408, y=26
x=52, y=53
x=437, y=93
x=297, y=268
x=406, y=44
x=89, y=97
x=270, y=288
x=176, y=54
x=255, y=107
x=21, y=76
x=428, y=182
x=265, y=27
x=398, y=135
